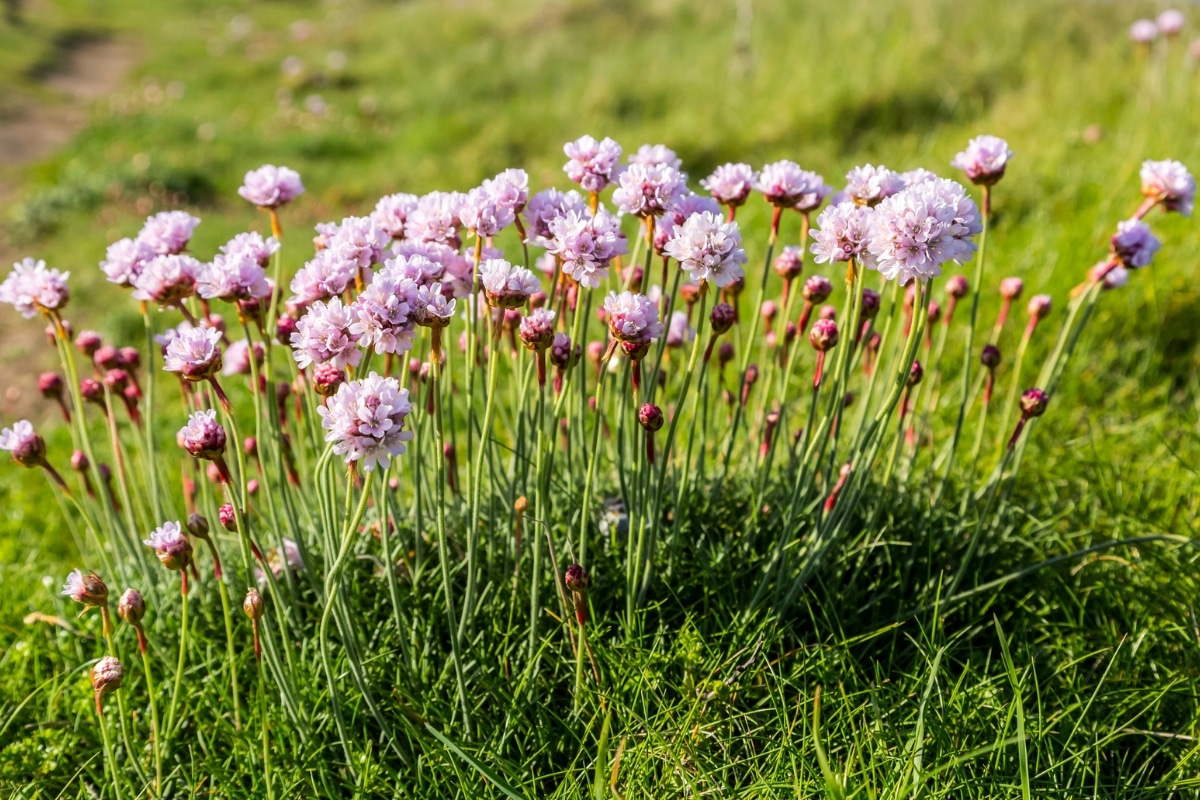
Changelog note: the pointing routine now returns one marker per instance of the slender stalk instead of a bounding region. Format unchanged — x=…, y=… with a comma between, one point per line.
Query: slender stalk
x=177, y=690
x=108, y=751
x=468, y=609
x=154, y=728
x=231, y=653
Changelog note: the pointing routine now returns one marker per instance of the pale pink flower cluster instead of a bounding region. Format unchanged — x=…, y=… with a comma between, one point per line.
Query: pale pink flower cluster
x=869, y=185
x=632, y=318
x=786, y=185
x=586, y=244
x=237, y=357
x=270, y=186
x=124, y=259
x=482, y=212
x=364, y=421
x=684, y=206
x=194, y=353
x=709, y=249
x=984, y=160
x=383, y=313
x=1170, y=22
x=546, y=206
x=359, y=240
x=251, y=245
x=592, y=164
x=647, y=190
x=23, y=442
x=656, y=154
x=507, y=286
x=1143, y=31
x=509, y=189
x=537, y=329
x=168, y=279
x=918, y=175
x=239, y=276
x=731, y=184
x=1134, y=244
x=80, y=587
x=168, y=232
x=434, y=309
x=32, y=287
x=436, y=219
x=323, y=336
x=1170, y=183
x=170, y=544
x=841, y=232
x=327, y=275
x=391, y=213
x=916, y=231
x=202, y=436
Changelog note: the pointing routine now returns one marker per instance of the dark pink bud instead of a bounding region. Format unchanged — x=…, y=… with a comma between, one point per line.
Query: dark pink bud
x=594, y=351
x=79, y=461
x=769, y=311
x=870, y=304
x=722, y=318
x=990, y=357
x=935, y=312
x=50, y=385
x=827, y=312
x=790, y=263
x=327, y=378
x=1039, y=306
x=284, y=328
x=916, y=374
x=724, y=354
x=650, y=417
x=129, y=358
x=227, y=517
x=816, y=289
x=91, y=390
x=116, y=379
x=824, y=335
x=106, y=357
x=1011, y=288
x=1033, y=402
x=250, y=445
x=957, y=287
x=88, y=342
x=576, y=578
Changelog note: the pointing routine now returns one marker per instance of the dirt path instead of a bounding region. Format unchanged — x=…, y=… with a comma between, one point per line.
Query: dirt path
x=32, y=129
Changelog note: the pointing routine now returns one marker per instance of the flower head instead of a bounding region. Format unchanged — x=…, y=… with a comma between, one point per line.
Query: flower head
x=323, y=335
x=327, y=275
x=253, y=604
x=1143, y=31
x=106, y=676
x=708, y=248
x=509, y=190
x=123, y=260
x=784, y=184
x=656, y=155
x=592, y=164
x=816, y=289
x=1033, y=402
x=383, y=313
x=168, y=232
x=233, y=277
x=537, y=329
x=87, y=589
x=435, y=219
x=433, y=308
x=1039, y=306
x=1011, y=288
x=731, y=184
x=365, y=421
x=252, y=245
x=546, y=206
x=194, y=353
x=237, y=357
x=916, y=231
x=684, y=207
x=586, y=244
x=869, y=185
x=506, y=286
x=1134, y=244
x=171, y=545
x=915, y=176
x=167, y=279
x=391, y=213
x=841, y=233
x=562, y=354
x=31, y=288
x=203, y=436
x=1170, y=22
x=647, y=190
x=132, y=607
x=359, y=240
x=824, y=335
x=270, y=186
x=484, y=213
x=984, y=160
x=632, y=318
x=790, y=262
x=1170, y=183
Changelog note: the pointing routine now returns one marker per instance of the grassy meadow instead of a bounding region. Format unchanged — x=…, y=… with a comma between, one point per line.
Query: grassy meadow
x=1060, y=672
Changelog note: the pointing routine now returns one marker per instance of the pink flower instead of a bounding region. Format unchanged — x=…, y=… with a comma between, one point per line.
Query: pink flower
x=537, y=329
x=482, y=213
x=433, y=309
x=168, y=232
x=684, y=206
x=1011, y=288
x=194, y=353
x=1170, y=183
x=841, y=232
x=1134, y=244
x=1143, y=31
x=916, y=231
x=233, y=277
x=365, y=421
x=359, y=240
x=124, y=259
x=391, y=213
x=784, y=184
x=546, y=206
x=435, y=219
x=586, y=244
x=790, y=262
x=632, y=318
x=984, y=160
x=31, y=288
x=915, y=176
x=270, y=186
x=869, y=184
x=731, y=184
x=1170, y=22
x=647, y=190
x=323, y=336
x=326, y=276
x=509, y=190
x=708, y=249
x=202, y=436
x=167, y=279
x=170, y=545
x=383, y=313
x=88, y=589
x=507, y=286
x=592, y=164
x=253, y=246
x=656, y=155
x=679, y=332
x=237, y=357
x=22, y=441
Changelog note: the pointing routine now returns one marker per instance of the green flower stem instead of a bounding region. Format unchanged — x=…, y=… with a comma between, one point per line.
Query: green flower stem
x=481, y=455
x=177, y=690
x=108, y=751
x=155, y=730
x=263, y=721
x=151, y=381
x=230, y=651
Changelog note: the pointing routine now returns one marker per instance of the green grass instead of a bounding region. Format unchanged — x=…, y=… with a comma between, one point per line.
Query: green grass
x=1077, y=679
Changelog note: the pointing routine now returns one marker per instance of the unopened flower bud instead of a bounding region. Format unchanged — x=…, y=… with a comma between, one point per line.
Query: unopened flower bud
x=990, y=357
x=106, y=676
x=824, y=335
x=562, y=354
x=790, y=332
x=724, y=354
x=79, y=461
x=197, y=525
x=817, y=289
x=789, y=263
x=91, y=390
x=576, y=578
x=870, y=304
x=88, y=342
x=916, y=374
x=131, y=607
x=650, y=417
x=827, y=312
x=253, y=604
x=722, y=318
x=105, y=357
x=327, y=378
x=227, y=517
x=957, y=287
x=1039, y=306
x=934, y=313
x=129, y=358
x=1033, y=402
x=1011, y=288
x=594, y=351
x=50, y=384
x=635, y=351
x=690, y=292
x=769, y=311
x=116, y=380
x=284, y=328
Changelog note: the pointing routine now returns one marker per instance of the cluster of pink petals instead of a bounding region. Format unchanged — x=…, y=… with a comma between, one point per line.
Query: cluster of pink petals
x=918, y=175
x=326, y=275
x=23, y=442
x=237, y=357
x=916, y=231
x=731, y=184
x=709, y=249
x=167, y=279
x=586, y=244
x=323, y=336
x=482, y=212
x=436, y=219
x=592, y=164
x=434, y=309
x=32, y=287
x=194, y=353
x=546, y=206
x=359, y=240
x=1143, y=31
x=632, y=318
x=1170, y=183
x=1133, y=244
x=202, y=436
x=80, y=587
x=252, y=245
x=168, y=232
x=679, y=332
x=507, y=286
x=391, y=213
x=841, y=232
x=431, y=262
x=1170, y=22
x=786, y=185
x=383, y=313
x=509, y=189
x=270, y=186
x=233, y=277
x=124, y=259
x=984, y=160
x=684, y=206
x=869, y=185
x=648, y=190
x=170, y=543
x=656, y=154
x=364, y=421
x=537, y=329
